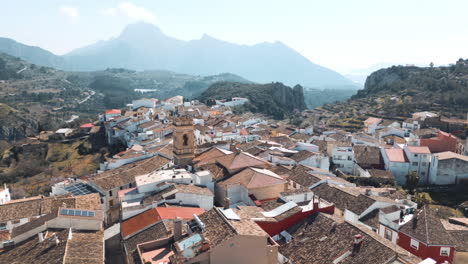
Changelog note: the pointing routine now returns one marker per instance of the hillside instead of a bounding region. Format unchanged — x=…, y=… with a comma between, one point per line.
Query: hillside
x=35, y=98
x=145, y=47
x=32, y=54
x=399, y=91
x=274, y=99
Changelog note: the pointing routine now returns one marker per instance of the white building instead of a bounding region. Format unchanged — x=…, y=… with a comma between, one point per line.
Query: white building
x=372, y=124
x=396, y=161
x=448, y=168
x=343, y=158
x=148, y=182
x=235, y=101
x=144, y=102
x=419, y=158
x=4, y=194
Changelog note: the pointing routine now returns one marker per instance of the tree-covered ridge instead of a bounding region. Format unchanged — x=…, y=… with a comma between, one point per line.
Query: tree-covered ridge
x=446, y=85
x=274, y=99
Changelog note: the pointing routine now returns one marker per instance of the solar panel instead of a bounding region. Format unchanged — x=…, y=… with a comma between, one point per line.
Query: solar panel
x=77, y=212
x=80, y=189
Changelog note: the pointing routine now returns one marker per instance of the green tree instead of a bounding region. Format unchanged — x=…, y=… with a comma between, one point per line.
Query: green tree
x=412, y=180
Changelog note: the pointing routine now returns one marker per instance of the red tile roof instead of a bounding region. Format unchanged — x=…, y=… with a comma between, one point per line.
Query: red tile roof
x=419, y=149
x=254, y=178
x=149, y=217
x=113, y=111
x=396, y=155
x=372, y=121
x=87, y=125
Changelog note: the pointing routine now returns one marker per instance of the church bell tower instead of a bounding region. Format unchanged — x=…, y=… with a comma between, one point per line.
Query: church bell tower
x=184, y=141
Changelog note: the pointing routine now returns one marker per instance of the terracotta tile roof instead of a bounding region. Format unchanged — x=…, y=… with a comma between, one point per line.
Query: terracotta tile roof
x=323, y=240
x=154, y=215
x=155, y=232
x=217, y=171
x=303, y=155
x=371, y=219
x=84, y=247
x=372, y=121
x=36, y=207
x=450, y=155
x=427, y=228
x=380, y=173
x=254, y=178
x=209, y=155
x=124, y=175
x=460, y=238
x=396, y=155
x=419, y=149
x=188, y=188
x=236, y=161
x=343, y=199
x=322, y=144
x=300, y=175
x=367, y=155
x=285, y=141
x=216, y=229
x=113, y=111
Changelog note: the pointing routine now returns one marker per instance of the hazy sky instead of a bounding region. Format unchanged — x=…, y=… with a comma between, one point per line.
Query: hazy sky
x=339, y=34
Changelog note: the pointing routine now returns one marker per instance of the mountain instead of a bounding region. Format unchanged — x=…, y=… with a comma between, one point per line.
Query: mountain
x=31, y=54
x=144, y=46
x=397, y=92
x=274, y=99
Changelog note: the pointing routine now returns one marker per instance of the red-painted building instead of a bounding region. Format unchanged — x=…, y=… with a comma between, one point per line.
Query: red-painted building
x=426, y=237
x=443, y=142
x=285, y=221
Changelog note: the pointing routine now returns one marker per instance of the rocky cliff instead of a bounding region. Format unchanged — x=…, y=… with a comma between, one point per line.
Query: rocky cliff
x=275, y=99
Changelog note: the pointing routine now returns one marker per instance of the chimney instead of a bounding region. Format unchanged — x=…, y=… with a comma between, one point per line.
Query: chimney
x=357, y=244
x=41, y=237
x=227, y=203
x=54, y=241
x=368, y=192
x=177, y=229
x=333, y=227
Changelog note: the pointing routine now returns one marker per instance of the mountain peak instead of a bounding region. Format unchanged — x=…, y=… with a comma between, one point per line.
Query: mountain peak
x=139, y=30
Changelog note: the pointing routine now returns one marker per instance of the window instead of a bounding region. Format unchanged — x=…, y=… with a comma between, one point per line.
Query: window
x=2, y=226
x=111, y=203
x=423, y=173
x=414, y=244
x=110, y=193
x=423, y=164
x=15, y=222
x=185, y=138
x=415, y=164
x=415, y=155
x=388, y=234
x=444, y=251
